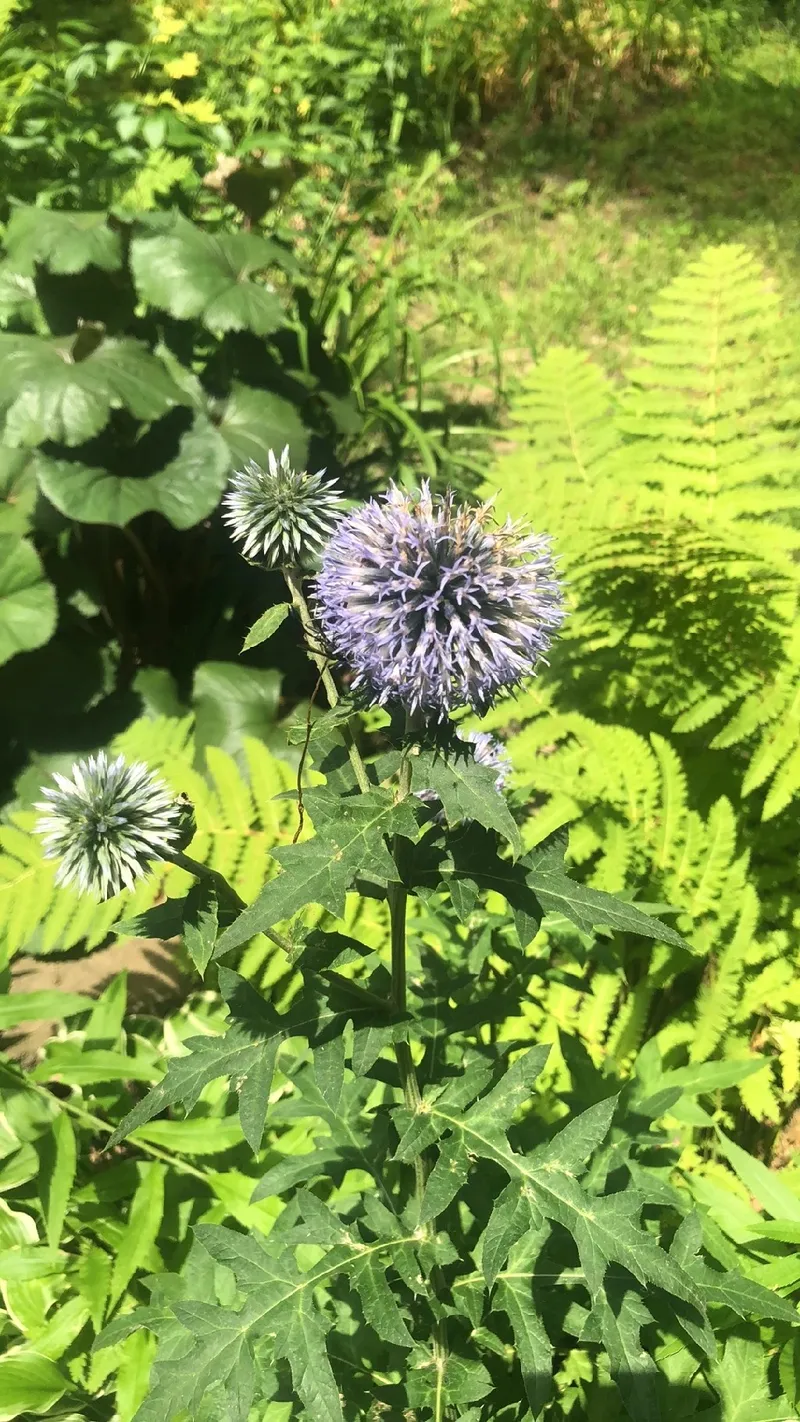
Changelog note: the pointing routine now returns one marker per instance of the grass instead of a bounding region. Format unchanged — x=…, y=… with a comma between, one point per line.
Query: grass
x=541, y=238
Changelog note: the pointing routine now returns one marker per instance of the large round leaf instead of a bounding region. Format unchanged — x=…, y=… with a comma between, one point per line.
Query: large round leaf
x=45, y=394
x=17, y=490
x=27, y=600
x=64, y=242
x=256, y=421
x=232, y=702
x=184, y=491
x=195, y=274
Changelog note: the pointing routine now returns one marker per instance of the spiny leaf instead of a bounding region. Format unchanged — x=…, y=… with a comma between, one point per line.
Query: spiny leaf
x=349, y=840
x=267, y=624
x=467, y=792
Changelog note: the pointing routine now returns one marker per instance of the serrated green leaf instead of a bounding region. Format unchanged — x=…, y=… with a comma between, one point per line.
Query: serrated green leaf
x=201, y=924
x=378, y=1302
x=27, y=600
x=349, y=840
x=246, y=1053
x=534, y=1349
x=57, y=1164
x=467, y=792
x=196, y=274
x=321, y=725
x=267, y=624
x=587, y=908
x=444, y=1382
x=740, y=1376
x=509, y=1220
x=622, y=1318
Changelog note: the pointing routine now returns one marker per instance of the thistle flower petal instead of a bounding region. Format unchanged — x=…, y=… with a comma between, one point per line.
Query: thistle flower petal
x=280, y=515
x=108, y=823
x=434, y=606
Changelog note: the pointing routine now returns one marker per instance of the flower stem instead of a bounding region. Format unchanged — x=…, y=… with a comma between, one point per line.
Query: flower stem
x=398, y=903
x=294, y=583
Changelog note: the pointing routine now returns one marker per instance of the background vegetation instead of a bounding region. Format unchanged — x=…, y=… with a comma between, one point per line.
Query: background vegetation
x=543, y=251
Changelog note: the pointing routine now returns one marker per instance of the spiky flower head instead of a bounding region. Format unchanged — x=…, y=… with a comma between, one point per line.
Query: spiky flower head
x=435, y=606
x=107, y=823
x=281, y=515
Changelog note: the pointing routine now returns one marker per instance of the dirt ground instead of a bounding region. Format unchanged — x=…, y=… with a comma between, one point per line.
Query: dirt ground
x=155, y=985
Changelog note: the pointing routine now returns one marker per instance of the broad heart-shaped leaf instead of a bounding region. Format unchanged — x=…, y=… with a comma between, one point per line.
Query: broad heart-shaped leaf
x=27, y=600
x=64, y=242
x=185, y=491
x=17, y=490
x=193, y=274
x=45, y=394
x=256, y=421
x=467, y=792
x=267, y=624
x=349, y=840
x=246, y=1053
x=231, y=702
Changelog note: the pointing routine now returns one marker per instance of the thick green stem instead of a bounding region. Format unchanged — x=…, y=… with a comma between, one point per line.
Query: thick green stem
x=398, y=903
x=294, y=583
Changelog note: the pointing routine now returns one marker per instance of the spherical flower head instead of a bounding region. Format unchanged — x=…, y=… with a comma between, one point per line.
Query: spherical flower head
x=281, y=515
x=108, y=823
x=434, y=606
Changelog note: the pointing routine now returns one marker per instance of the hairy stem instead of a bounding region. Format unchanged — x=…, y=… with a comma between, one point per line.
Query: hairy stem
x=398, y=903
x=294, y=583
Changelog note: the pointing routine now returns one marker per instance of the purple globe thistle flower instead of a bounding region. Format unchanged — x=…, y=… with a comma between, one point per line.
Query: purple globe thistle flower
x=108, y=823
x=432, y=606
x=281, y=515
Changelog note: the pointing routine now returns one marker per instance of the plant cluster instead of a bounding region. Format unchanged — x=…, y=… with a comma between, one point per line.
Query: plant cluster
x=142, y=361
x=436, y=1206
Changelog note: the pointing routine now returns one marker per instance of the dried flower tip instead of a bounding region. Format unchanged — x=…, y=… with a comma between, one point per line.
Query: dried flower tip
x=433, y=606
x=108, y=823
x=281, y=515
